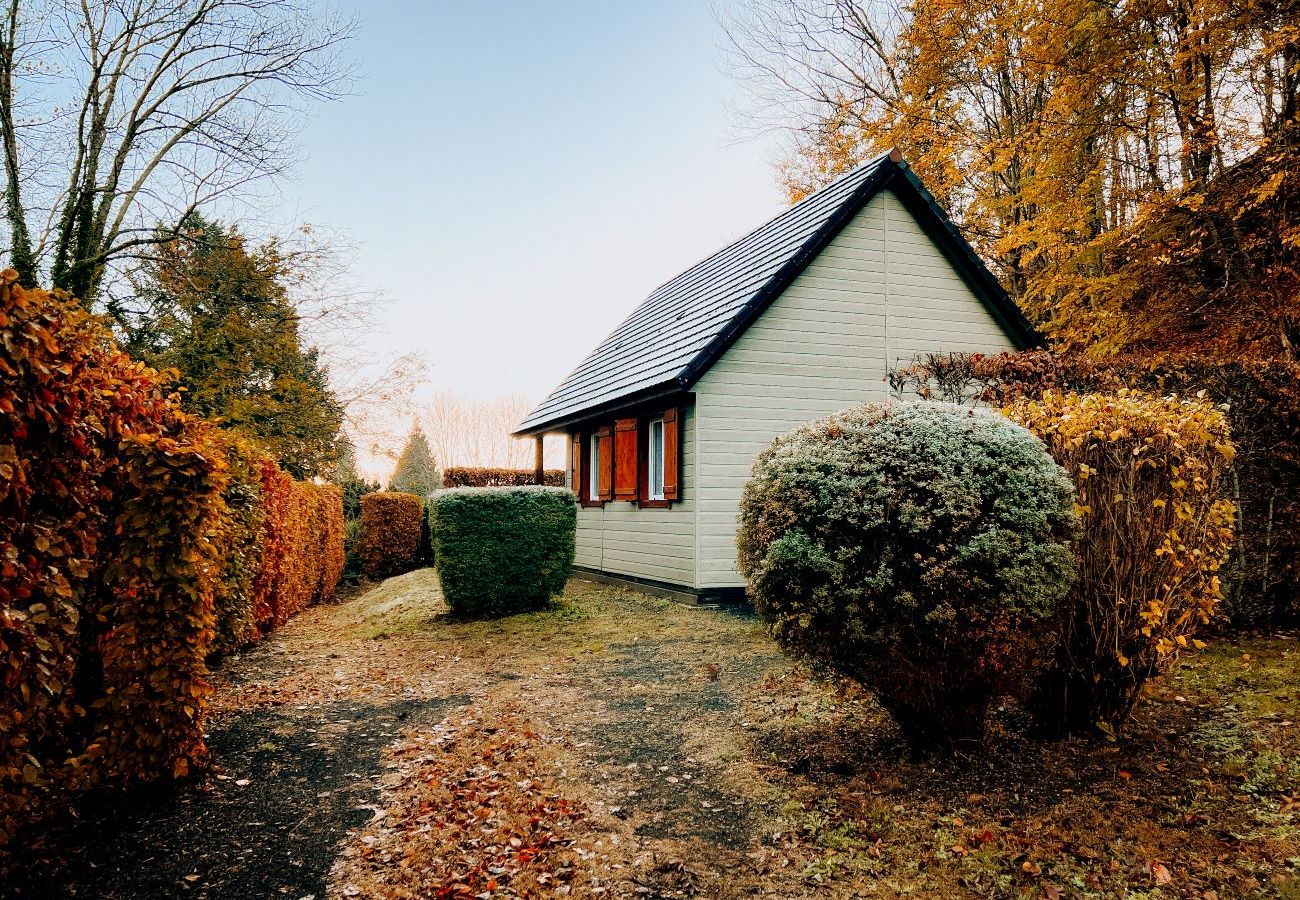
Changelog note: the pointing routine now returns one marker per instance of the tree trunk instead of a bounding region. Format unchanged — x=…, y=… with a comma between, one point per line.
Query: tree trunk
x=20, y=241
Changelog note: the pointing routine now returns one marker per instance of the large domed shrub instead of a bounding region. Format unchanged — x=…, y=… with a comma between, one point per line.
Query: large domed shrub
x=920, y=549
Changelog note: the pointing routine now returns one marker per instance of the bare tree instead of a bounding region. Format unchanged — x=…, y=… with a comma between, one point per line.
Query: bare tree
x=119, y=115
x=335, y=308
x=463, y=432
x=803, y=60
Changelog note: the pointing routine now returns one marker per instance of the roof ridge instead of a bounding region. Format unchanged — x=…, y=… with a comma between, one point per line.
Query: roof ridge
x=878, y=158
x=687, y=322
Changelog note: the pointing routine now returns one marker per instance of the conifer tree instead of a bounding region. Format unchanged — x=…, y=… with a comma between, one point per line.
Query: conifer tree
x=416, y=471
x=217, y=311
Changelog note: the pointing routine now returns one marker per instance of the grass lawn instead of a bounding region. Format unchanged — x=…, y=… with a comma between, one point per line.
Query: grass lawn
x=622, y=746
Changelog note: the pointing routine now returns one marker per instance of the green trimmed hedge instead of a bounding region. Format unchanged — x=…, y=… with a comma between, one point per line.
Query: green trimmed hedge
x=503, y=550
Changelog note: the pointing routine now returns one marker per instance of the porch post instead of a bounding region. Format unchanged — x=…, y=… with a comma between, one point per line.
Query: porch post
x=539, y=473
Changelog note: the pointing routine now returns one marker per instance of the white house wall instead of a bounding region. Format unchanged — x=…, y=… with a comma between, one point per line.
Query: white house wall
x=880, y=292
x=657, y=544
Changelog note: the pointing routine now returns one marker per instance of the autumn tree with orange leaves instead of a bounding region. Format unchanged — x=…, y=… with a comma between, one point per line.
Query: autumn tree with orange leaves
x=1132, y=171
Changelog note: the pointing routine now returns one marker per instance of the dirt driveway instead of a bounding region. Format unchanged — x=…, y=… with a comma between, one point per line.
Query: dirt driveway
x=623, y=746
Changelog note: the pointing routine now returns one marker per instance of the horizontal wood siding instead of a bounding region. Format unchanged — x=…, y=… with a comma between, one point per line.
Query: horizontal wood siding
x=879, y=293
x=659, y=544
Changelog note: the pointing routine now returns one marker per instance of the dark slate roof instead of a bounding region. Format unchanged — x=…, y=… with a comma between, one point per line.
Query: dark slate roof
x=669, y=341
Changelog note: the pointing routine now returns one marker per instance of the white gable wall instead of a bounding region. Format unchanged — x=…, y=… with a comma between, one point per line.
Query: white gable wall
x=880, y=292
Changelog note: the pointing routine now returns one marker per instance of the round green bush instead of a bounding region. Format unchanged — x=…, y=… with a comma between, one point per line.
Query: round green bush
x=920, y=549
x=502, y=550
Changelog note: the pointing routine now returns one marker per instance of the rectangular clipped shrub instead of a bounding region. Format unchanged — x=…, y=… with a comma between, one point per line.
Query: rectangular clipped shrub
x=327, y=539
x=1156, y=531
x=240, y=547
x=314, y=560
x=392, y=528
x=487, y=476
x=503, y=550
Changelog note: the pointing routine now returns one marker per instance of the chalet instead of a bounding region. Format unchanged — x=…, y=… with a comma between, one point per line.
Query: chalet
x=799, y=318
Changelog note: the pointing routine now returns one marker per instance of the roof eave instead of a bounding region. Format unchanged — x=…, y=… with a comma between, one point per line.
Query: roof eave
x=669, y=388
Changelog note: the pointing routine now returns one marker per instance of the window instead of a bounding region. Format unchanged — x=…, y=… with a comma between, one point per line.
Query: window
x=656, y=460
x=593, y=478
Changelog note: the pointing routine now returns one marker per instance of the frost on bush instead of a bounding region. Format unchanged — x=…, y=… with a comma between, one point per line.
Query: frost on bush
x=920, y=549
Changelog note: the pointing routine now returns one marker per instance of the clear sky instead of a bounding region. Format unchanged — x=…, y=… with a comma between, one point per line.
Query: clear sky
x=518, y=175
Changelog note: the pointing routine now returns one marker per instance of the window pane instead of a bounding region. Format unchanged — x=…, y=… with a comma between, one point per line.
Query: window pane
x=594, y=489
x=657, y=459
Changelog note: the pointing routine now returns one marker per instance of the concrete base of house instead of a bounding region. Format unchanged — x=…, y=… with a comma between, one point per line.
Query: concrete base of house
x=680, y=593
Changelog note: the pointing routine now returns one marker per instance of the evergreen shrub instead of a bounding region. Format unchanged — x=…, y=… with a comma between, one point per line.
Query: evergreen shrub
x=503, y=550
x=920, y=549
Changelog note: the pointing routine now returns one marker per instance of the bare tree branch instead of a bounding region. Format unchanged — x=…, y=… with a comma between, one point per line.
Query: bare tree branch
x=150, y=109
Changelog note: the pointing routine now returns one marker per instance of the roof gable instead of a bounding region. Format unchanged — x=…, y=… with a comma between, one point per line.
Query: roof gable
x=685, y=325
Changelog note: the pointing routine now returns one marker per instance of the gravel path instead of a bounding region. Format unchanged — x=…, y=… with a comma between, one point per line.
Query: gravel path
x=301, y=722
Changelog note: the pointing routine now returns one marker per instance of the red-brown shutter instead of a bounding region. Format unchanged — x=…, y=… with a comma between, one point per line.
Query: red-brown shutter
x=625, y=461
x=605, y=475
x=576, y=465
x=672, y=453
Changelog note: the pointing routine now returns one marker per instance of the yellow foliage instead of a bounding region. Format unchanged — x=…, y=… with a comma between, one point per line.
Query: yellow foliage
x=1156, y=530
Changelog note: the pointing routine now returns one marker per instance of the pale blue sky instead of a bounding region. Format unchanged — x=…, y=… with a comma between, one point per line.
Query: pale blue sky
x=518, y=175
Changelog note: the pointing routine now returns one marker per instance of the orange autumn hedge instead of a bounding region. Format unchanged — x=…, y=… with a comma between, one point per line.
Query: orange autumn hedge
x=299, y=550
x=491, y=476
x=392, y=528
x=108, y=498
x=130, y=533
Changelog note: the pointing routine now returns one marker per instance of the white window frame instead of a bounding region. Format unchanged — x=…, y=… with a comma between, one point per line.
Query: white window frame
x=655, y=459
x=593, y=478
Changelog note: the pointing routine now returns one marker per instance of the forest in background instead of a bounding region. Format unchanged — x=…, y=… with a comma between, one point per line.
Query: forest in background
x=1130, y=171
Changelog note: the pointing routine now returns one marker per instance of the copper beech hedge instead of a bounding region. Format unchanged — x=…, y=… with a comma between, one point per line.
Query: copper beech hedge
x=392, y=534
x=130, y=533
x=486, y=476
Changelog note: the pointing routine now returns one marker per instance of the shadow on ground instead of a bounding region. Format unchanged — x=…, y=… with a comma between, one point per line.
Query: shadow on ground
x=290, y=784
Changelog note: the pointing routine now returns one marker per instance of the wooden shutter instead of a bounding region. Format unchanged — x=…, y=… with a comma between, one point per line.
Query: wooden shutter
x=605, y=476
x=625, y=459
x=575, y=466
x=672, y=453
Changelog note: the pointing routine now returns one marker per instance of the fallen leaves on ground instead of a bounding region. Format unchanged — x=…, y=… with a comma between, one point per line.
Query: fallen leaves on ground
x=470, y=812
